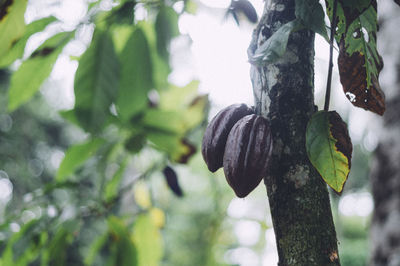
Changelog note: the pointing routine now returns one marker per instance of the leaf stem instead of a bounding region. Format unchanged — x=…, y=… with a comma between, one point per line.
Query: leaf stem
x=329, y=81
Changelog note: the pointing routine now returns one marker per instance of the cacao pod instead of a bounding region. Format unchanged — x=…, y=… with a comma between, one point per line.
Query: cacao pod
x=247, y=153
x=217, y=131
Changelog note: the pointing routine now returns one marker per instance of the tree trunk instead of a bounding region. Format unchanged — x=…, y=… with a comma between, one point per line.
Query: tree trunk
x=385, y=172
x=298, y=197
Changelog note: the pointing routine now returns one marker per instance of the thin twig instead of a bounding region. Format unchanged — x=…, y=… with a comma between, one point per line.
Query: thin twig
x=329, y=81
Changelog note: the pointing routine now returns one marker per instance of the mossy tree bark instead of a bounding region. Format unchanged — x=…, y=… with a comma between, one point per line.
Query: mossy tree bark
x=298, y=197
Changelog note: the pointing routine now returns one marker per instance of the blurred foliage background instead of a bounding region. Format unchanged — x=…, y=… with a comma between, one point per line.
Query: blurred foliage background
x=86, y=183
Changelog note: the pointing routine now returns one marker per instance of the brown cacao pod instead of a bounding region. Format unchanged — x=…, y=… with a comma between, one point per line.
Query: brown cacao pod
x=217, y=131
x=247, y=153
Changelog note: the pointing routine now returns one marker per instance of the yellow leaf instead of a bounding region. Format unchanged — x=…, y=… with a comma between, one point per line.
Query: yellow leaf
x=142, y=195
x=157, y=216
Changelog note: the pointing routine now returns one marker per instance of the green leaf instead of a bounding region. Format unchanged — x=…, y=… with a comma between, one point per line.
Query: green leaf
x=340, y=18
x=111, y=190
x=274, y=48
x=18, y=47
x=184, y=110
x=26, y=81
x=125, y=252
x=312, y=16
x=76, y=157
x=166, y=26
x=12, y=24
x=56, y=252
x=95, y=248
x=188, y=106
x=20, y=240
x=148, y=241
x=329, y=148
x=178, y=149
x=177, y=98
x=120, y=35
x=70, y=116
x=160, y=65
x=31, y=253
x=124, y=14
x=136, y=76
x=180, y=121
x=191, y=7
x=116, y=227
x=136, y=141
x=96, y=82
x=170, y=122
x=196, y=112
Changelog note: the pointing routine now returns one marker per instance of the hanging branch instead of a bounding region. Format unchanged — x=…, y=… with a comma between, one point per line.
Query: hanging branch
x=329, y=81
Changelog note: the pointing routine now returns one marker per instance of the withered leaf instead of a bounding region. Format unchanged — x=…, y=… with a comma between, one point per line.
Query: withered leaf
x=190, y=150
x=359, y=61
x=341, y=134
x=329, y=148
x=4, y=8
x=353, y=76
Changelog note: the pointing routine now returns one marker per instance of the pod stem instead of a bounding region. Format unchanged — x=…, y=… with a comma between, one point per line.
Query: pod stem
x=329, y=81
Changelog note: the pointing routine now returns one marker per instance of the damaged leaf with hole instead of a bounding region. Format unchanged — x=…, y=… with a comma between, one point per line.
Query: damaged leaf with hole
x=359, y=61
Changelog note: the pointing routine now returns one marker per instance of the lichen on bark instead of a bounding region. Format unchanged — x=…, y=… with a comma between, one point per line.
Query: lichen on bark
x=283, y=91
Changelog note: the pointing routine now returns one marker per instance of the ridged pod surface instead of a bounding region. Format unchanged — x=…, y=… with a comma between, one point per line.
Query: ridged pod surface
x=247, y=152
x=217, y=131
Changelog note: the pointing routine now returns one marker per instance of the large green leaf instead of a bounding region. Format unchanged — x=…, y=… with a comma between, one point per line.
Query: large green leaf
x=95, y=249
x=273, y=48
x=76, y=157
x=312, y=16
x=96, y=82
x=26, y=81
x=186, y=103
x=359, y=61
x=148, y=241
x=180, y=110
x=12, y=23
x=125, y=251
x=167, y=121
x=17, y=49
x=166, y=26
x=120, y=35
x=180, y=121
x=196, y=112
x=329, y=148
x=160, y=65
x=177, y=98
x=177, y=147
x=136, y=76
